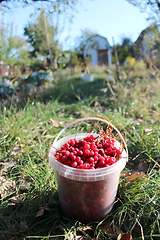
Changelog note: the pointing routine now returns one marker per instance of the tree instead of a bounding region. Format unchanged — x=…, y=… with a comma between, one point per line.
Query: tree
x=124, y=50
x=61, y=5
x=80, y=42
x=13, y=49
x=41, y=36
x=80, y=45
x=32, y=1
x=147, y=44
x=152, y=7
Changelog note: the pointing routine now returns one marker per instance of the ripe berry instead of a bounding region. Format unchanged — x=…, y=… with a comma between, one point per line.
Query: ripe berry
x=86, y=166
x=87, y=146
x=91, y=159
x=74, y=164
x=89, y=153
x=86, y=151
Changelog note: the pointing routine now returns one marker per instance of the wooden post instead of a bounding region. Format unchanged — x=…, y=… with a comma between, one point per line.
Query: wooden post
x=48, y=42
x=116, y=59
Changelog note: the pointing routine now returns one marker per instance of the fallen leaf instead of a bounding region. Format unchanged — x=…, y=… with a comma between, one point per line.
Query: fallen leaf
x=55, y=122
x=117, y=230
x=41, y=129
x=18, y=138
x=8, y=236
x=86, y=231
x=6, y=166
x=110, y=231
x=48, y=136
x=71, y=235
x=100, y=238
x=40, y=212
x=125, y=236
x=25, y=186
x=97, y=104
x=143, y=167
x=22, y=145
x=134, y=176
x=16, y=201
x=140, y=120
x=76, y=113
x=45, y=208
x=15, y=151
x=23, y=226
x=7, y=186
x=85, y=228
x=104, y=90
x=107, y=229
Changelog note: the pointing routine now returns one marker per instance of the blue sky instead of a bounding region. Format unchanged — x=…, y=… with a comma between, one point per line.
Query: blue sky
x=109, y=18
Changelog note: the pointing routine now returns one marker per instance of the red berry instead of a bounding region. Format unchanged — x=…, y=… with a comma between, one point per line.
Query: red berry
x=64, y=158
x=86, y=151
x=95, y=158
x=74, y=164
x=87, y=146
x=72, y=142
x=80, y=153
x=91, y=159
x=81, y=166
x=89, y=153
x=66, y=145
x=86, y=165
x=69, y=161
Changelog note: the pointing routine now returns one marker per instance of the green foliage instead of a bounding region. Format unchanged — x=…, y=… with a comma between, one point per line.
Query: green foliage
x=7, y=87
x=26, y=85
x=132, y=64
x=147, y=44
x=151, y=7
x=13, y=49
x=36, y=34
x=124, y=50
x=80, y=41
x=60, y=5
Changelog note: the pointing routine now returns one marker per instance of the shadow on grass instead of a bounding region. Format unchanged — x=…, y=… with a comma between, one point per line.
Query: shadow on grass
x=66, y=91
x=73, y=90
x=41, y=217
x=21, y=220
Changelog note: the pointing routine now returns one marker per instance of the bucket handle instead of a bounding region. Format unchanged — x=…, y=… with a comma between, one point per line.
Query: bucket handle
x=92, y=118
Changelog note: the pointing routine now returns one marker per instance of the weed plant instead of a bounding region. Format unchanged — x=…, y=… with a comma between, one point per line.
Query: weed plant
x=29, y=197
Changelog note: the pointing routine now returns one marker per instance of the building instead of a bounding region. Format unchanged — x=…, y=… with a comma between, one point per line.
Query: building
x=146, y=44
x=98, y=50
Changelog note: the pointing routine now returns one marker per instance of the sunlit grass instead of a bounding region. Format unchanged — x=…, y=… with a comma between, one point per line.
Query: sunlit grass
x=25, y=135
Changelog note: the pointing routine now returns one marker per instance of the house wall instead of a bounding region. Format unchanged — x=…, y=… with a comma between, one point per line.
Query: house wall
x=95, y=44
x=94, y=55
x=110, y=57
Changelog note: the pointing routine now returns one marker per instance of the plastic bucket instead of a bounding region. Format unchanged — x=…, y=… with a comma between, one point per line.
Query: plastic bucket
x=86, y=195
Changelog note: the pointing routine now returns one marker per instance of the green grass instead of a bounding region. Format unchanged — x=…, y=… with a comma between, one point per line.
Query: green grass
x=26, y=132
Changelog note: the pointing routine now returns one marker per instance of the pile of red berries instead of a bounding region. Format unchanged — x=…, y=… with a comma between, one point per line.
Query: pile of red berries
x=89, y=153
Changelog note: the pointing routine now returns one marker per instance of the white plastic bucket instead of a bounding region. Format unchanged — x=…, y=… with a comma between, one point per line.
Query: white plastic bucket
x=86, y=194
